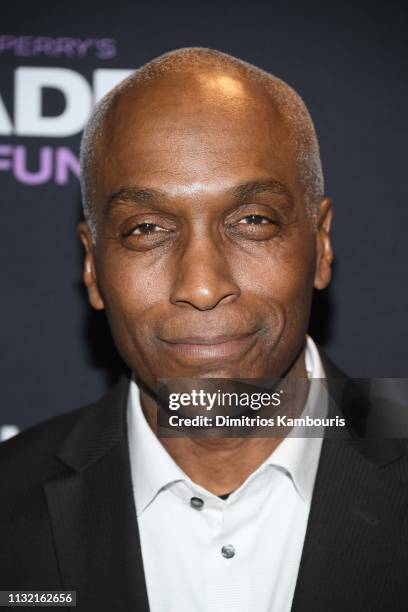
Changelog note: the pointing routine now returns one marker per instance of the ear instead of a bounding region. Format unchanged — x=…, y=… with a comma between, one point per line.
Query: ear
x=89, y=272
x=324, y=250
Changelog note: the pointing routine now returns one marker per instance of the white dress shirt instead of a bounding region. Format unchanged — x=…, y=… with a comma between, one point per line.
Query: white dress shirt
x=241, y=554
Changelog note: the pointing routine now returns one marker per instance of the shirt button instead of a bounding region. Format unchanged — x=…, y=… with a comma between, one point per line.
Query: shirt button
x=228, y=551
x=196, y=503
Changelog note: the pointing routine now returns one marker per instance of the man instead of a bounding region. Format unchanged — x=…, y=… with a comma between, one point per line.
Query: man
x=206, y=232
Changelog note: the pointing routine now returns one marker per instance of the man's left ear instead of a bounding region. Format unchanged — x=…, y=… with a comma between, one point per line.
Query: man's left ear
x=324, y=250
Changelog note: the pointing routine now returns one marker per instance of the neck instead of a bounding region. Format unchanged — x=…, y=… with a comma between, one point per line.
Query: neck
x=221, y=465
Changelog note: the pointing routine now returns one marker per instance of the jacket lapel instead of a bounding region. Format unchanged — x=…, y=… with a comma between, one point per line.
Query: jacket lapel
x=92, y=511
x=354, y=526
x=355, y=521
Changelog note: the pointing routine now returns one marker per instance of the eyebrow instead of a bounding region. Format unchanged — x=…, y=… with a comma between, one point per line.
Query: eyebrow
x=250, y=188
x=241, y=192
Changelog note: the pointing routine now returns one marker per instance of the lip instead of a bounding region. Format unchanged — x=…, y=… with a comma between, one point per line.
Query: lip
x=197, y=348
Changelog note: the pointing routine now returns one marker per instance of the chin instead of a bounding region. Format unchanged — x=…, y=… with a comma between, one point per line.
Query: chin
x=221, y=371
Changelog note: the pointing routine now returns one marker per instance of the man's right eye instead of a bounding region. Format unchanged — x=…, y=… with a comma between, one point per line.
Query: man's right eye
x=144, y=236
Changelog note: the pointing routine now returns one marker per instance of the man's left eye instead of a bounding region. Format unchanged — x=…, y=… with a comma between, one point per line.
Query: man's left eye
x=144, y=229
x=255, y=220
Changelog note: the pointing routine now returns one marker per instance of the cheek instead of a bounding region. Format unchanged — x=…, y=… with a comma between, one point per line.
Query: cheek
x=130, y=283
x=281, y=284
x=283, y=274
x=132, y=294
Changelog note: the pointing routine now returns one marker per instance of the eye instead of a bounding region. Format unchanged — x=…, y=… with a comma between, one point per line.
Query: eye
x=144, y=229
x=145, y=235
x=255, y=220
x=255, y=227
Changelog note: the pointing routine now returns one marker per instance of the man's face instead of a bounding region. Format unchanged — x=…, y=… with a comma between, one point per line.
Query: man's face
x=205, y=258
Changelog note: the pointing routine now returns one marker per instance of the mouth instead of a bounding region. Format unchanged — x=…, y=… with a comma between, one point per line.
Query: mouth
x=199, y=348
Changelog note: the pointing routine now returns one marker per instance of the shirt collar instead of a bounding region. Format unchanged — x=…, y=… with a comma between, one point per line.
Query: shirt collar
x=153, y=469
x=299, y=456
x=151, y=465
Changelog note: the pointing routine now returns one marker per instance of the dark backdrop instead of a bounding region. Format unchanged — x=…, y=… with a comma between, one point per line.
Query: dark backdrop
x=349, y=63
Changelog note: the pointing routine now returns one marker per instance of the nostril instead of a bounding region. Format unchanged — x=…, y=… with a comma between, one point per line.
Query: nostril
x=204, y=299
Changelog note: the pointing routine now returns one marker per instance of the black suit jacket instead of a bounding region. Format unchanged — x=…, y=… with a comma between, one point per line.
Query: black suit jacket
x=68, y=521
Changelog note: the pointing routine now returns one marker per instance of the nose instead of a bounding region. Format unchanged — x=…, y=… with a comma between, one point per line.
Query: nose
x=203, y=277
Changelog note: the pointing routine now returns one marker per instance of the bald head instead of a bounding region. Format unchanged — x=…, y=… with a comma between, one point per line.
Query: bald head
x=195, y=87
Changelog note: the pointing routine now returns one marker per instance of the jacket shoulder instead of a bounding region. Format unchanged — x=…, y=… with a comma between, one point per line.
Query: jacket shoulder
x=28, y=454
x=28, y=462
x=29, y=458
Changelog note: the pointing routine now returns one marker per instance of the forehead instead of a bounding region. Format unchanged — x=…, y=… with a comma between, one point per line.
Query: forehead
x=205, y=133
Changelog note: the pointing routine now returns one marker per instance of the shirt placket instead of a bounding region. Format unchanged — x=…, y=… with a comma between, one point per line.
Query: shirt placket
x=226, y=563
